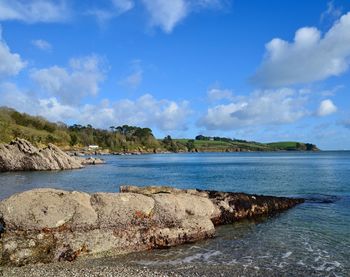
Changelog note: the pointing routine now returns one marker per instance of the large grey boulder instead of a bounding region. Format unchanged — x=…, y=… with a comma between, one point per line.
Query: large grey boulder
x=21, y=155
x=46, y=225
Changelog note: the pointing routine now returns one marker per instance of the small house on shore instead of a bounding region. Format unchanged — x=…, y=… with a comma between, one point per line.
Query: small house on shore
x=93, y=147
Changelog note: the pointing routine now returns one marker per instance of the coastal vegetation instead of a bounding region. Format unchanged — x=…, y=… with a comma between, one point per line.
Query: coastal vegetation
x=125, y=138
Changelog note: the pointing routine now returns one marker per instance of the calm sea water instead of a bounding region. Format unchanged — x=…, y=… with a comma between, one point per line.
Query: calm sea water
x=312, y=239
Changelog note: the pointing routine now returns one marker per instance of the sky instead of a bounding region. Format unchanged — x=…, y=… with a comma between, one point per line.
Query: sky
x=247, y=69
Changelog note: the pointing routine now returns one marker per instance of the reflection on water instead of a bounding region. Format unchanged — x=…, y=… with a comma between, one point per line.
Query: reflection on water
x=312, y=239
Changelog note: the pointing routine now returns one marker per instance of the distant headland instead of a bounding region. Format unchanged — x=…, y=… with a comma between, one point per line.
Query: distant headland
x=123, y=139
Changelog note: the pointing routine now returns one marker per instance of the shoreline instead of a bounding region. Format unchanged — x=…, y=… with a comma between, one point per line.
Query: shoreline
x=84, y=154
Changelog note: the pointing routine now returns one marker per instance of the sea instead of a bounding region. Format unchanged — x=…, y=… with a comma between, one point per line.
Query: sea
x=312, y=239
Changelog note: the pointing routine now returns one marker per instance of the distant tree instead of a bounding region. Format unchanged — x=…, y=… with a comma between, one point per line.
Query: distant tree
x=112, y=128
x=167, y=140
x=201, y=137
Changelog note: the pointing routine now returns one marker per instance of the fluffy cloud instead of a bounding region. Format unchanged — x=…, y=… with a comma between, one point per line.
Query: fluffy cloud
x=310, y=57
x=82, y=78
x=326, y=107
x=32, y=11
x=11, y=63
x=167, y=14
x=42, y=44
x=266, y=107
x=147, y=111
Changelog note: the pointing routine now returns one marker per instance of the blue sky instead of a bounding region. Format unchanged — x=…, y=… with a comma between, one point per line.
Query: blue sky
x=258, y=70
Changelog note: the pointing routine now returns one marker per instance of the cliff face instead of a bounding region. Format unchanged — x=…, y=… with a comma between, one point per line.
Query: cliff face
x=46, y=225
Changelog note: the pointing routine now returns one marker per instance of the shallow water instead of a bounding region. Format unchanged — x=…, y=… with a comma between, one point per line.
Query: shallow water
x=311, y=239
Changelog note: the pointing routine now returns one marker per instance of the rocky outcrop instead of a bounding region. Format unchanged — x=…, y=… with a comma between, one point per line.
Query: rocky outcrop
x=91, y=161
x=46, y=225
x=21, y=155
x=229, y=206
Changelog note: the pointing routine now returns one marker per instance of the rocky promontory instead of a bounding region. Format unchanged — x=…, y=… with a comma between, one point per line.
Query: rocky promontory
x=46, y=225
x=21, y=155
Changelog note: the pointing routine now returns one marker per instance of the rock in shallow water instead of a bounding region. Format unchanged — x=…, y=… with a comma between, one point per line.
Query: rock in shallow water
x=46, y=225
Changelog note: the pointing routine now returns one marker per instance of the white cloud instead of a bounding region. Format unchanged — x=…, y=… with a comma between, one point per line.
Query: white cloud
x=50, y=108
x=11, y=63
x=310, y=57
x=32, y=11
x=326, y=107
x=70, y=85
x=267, y=107
x=42, y=44
x=146, y=111
x=167, y=14
x=13, y=97
x=217, y=94
x=163, y=114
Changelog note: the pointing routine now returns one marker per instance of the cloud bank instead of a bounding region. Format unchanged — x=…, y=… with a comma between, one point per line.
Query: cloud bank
x=263, y=107
x=70, y=85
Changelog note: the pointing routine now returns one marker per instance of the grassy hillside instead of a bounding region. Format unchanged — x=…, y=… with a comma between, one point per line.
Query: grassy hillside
x=239, y=145
x=40, y=132
x=124, y=138
x=223, y=146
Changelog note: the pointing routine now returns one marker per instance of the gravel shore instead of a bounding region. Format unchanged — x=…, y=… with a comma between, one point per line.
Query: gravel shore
x=80, y=269
x=101, y=268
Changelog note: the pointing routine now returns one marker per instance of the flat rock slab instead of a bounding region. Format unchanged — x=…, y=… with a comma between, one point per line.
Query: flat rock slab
x=46, y=225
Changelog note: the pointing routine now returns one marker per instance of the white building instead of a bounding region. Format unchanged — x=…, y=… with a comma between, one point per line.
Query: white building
x=93, y=147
